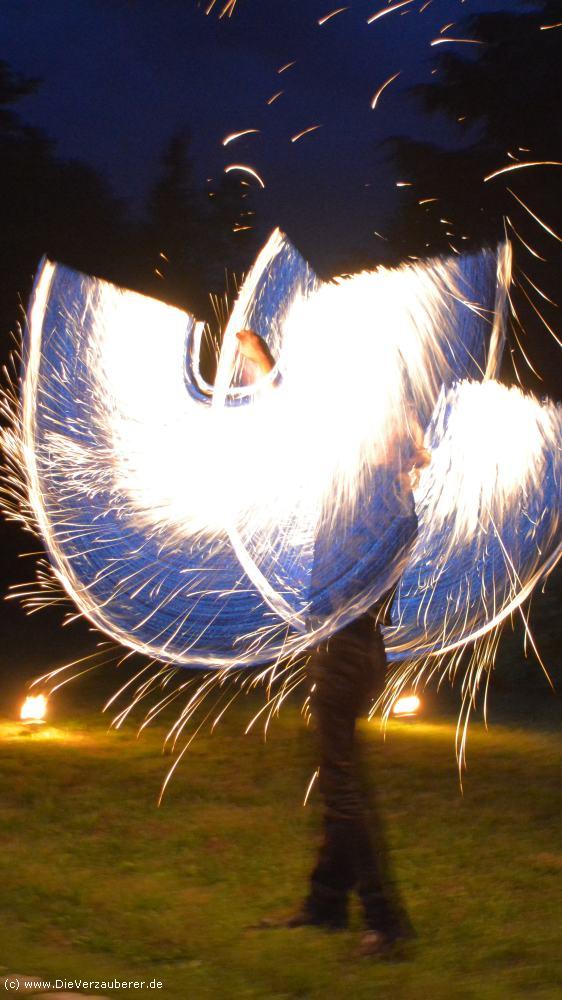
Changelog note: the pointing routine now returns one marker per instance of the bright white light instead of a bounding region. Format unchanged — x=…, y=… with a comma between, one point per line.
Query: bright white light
x=34, y=708
x=357, y=356
x=408, y=705
x=491, y=449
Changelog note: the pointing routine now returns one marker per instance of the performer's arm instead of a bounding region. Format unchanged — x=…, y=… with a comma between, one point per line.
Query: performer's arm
x=254, y=348
x=421, y=456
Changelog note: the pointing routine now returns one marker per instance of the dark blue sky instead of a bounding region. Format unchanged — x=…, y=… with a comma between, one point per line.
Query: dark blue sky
x=121, y=76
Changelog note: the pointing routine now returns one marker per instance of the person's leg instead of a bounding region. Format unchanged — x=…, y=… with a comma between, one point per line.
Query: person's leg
x=333, y=875
x=339, y=673
x=334, y=707
x=383, y=911
x=348, y=674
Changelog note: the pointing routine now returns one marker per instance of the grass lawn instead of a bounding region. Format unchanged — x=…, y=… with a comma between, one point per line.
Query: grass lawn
x=97, y=882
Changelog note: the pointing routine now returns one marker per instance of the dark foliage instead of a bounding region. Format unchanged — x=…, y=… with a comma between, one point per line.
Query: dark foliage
x=66, y=211
x=506, y=101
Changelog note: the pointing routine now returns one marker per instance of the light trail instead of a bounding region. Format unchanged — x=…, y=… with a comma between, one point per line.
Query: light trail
x=305, y=131
x=388, y=10
x=540, y=221
x=310, y=786
x=227, y=10
x=162, y=505
x=456, y=41
x=546, y=325
x=522, y=166
x=238, y=135
x=527, y=246
x=333, y=13
x=286, y=66
x=244, y=168
x=382, y=88
x=542, y=294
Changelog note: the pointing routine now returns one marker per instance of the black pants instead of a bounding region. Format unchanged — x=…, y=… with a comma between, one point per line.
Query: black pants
x=346, y=673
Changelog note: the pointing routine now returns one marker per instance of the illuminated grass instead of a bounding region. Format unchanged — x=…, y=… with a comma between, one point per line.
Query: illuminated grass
x=96, y=882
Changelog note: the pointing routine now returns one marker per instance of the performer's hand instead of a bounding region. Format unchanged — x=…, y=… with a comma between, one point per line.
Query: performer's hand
x=254, y=348
x=422, y=459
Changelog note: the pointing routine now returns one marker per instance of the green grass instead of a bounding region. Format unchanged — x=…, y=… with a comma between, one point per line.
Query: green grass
x=98, y=882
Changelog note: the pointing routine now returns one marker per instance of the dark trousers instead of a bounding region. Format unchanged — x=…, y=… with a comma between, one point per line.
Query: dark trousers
x=346, y=673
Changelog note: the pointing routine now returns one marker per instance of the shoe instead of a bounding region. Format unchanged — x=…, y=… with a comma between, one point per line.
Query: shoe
x=379, y=944
x=304, y=917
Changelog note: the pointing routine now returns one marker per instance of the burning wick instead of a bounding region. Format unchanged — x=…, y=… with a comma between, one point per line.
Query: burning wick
x=33, y=709
x=406, y=707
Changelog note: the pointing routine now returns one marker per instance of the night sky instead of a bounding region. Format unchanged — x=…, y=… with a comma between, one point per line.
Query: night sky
x=120, y=77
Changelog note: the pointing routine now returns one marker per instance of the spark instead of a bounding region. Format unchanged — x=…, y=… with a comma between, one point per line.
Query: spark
x=227, y=10
x=446, y=27
x=237, y=135
x=525, y=356
x=426, y=201
x=310, y=786
x=523, y=166
x=456, y=41
x=541, y=317
x=387, y=10
x=383, y=88
x=535, y=217
x=542, y=294
x=286, y=66
x=333, y=13
x=275, y=97
x=305, y=131
x=549, y=27
x=244, y=168
x=522, y=241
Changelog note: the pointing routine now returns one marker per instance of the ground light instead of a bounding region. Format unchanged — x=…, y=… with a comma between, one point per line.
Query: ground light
x=406, y=707
x=33, y=710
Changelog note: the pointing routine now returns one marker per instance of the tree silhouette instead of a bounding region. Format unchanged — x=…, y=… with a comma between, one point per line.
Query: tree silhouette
x=175, y=227
x=62, y=209
x=66, y=210
x=506, y=103
x=194, y=235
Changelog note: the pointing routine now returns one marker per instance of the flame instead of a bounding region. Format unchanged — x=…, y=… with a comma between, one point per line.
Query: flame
x=406, y=705
x=34, y=708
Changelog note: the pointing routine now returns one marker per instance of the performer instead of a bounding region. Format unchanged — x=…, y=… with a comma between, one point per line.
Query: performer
x=346, y=673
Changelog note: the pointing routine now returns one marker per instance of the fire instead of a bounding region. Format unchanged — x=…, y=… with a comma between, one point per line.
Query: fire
x=34, y=708
x=407, y=706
